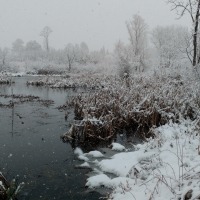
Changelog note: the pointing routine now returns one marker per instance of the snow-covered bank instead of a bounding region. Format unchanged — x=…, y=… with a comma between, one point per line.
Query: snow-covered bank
x=166, y=167
x=86, y=80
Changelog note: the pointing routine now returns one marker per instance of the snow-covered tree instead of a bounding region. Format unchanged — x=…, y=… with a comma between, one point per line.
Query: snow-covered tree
x=18, y=45
x=46, y=31
x=33, y=50
x=33, y=46
x=70, y=55
x=84, y=53
x=137, y=30
x=171, y=44
x=123, y=58
x=97, y=56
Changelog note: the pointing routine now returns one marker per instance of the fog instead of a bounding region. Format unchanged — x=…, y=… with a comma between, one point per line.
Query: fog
x=97, y=22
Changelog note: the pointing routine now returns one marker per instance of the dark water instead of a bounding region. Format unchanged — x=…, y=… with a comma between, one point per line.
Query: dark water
x=31, y=149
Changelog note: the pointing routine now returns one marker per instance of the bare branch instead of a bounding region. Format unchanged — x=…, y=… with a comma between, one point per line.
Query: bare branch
x=179, y=5
x=192, y=7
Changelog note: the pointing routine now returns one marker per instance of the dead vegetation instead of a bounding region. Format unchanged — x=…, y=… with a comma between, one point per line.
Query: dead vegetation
x=9, y=190
x=88, y=80
x=5, y=80
x=17, y=99
x=140, y=102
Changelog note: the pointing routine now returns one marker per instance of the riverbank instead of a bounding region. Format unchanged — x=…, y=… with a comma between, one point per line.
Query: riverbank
x=165, y=167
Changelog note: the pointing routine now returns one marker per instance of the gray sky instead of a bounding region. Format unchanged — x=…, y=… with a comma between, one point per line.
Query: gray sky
x=96, y=22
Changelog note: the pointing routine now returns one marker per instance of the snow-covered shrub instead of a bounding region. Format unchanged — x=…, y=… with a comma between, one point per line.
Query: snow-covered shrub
x=87, y=80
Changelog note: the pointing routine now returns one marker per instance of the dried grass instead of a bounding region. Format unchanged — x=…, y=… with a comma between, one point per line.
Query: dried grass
x=142, y=102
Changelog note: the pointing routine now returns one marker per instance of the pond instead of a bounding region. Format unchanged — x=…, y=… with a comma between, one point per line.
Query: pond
x=31, y=149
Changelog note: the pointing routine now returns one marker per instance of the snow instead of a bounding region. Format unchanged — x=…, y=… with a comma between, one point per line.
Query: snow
x=82, y=157
x=121, y=163
x=164, y=167
x=98, y=180
x=78, y=151
x=117, y=147
x=85, y=165
x=10, y=155
x=1, y=185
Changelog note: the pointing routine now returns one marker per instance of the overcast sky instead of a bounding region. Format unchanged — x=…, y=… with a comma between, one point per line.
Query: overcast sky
x=96, y=22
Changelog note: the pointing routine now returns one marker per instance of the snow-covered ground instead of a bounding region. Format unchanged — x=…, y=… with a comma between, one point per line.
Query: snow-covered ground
x=164, y=167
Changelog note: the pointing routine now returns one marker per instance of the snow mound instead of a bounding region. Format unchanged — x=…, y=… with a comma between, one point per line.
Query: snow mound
x=78, y=151
x=85, y=165
x=103, y=180
x=121, y=163
x=82, y=157
x=95, y=154
x=98, y=181
x=117, y=147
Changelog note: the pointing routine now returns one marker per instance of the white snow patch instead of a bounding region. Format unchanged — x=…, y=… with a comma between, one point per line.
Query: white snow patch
x=98, y=181
x=95, y=154
x=117, y=147
x=82, y=157
x=78, y=151
x=121, y=163
x=166, y=166
x=85, y=165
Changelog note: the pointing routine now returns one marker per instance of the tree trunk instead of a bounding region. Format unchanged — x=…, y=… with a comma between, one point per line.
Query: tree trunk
x=70, y=66
x=195, y=35
x=47, y=44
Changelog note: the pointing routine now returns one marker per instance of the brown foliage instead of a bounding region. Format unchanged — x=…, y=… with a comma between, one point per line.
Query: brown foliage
x=148, y=102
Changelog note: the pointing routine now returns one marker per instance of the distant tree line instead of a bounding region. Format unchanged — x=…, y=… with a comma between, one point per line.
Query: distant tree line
x=162, y=47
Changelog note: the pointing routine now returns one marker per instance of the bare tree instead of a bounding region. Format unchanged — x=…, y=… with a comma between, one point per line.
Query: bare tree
x=191, y=7
x=45, y=33
x=137, y=30
x=70, y=55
